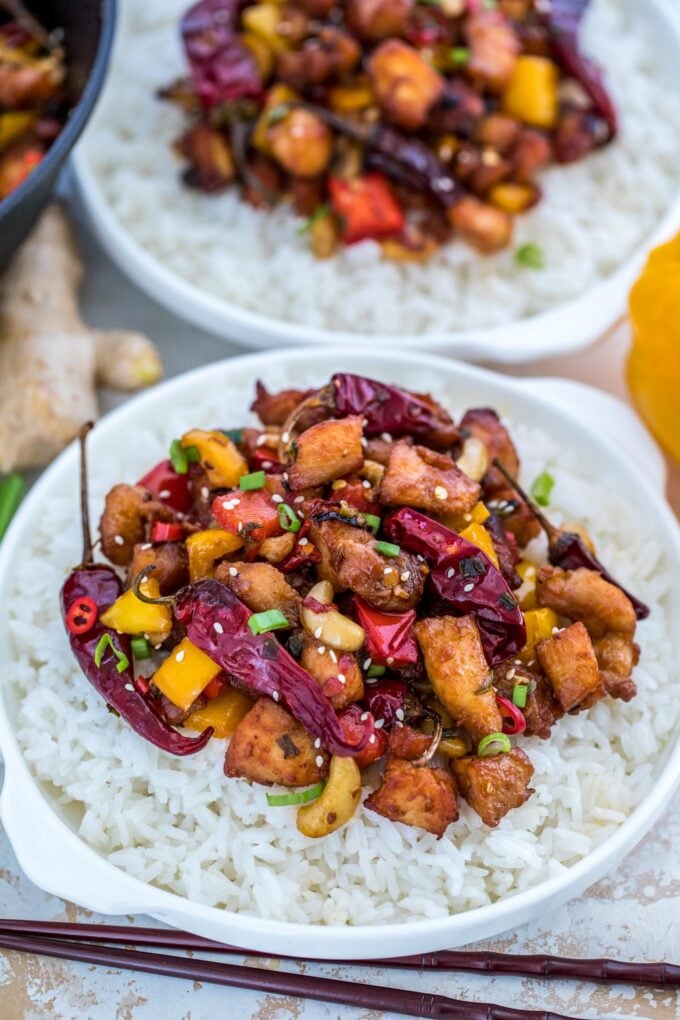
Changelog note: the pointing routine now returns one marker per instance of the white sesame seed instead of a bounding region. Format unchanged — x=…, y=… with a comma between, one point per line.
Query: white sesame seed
x=239, y=527
x=147, y=545
x=318, y=632
x=467, y=517
x=468, y=587
x=333, y=656
x=399, y=714
x=299, y=499
x=364, y=441
x=303, y=541
x=205, y=492
x=277, y=498
x=285, y=437
x=518, y=662
x=317, y=743
x=379, y=723
x=372, y=739
x=119, y=540
x=227, y=505
x=285, y=476
x=301, y=515
x=129, y=687
x=275, y=695
x=510, y=674
x=218, y=628
x=389, y=660
x=367, y=664
x=261, y=440
x=386, y=437
x=366, y=484
x=388, y=570
x=321, y=649
x=371, y=681
x=319, y=760
x=450, y=572
x=164, y=493
x=235, y=501
x=440, y=492
x=364, y=716
x=180, y=656
x=233, y=572
x=556, y=630
x=342, y=679
x=266, y=464
x=405, y=576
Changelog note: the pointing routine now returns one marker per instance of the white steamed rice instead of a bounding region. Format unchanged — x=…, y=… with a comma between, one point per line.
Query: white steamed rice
x=179, y=824
x=593, y=215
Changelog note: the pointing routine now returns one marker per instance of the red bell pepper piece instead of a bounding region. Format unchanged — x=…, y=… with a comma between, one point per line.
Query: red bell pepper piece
x=389, y=636
x=367, y=207
x=355, y=493
x=253, y=514
x=162, y=532
x=354, y=721
x=264, y=459
x=169, y=487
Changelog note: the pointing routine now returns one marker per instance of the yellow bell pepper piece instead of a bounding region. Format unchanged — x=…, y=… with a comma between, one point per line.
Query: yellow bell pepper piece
x=276, y=96
x=526, y=594
x=264, y=20
x=130, y=615
x=480, y=537
x=14, y=124
x=531, y=95
x=220, y=458
x=261, y=50
x=186, y=672
x=206, y=547
x=540, y=624
x=351, y=98
x=512, y=198
x=223, y=713
x=458, y=522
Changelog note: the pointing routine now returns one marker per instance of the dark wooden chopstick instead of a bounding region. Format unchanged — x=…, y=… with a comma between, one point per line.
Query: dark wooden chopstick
x=346, y=993
x=667, y=974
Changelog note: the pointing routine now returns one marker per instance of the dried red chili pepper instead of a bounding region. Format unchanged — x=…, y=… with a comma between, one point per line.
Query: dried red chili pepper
x=216, y=621
x=386, y=699
x=389, y=636
x=465, y=579
x=354, y=721
x=99, y=584
x=392, y=409
x=303, y=554
x=222, y=67
x=567, y=550
x=168, y=486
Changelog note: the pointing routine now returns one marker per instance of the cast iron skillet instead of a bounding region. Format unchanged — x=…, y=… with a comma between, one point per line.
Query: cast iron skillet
x=88, y=34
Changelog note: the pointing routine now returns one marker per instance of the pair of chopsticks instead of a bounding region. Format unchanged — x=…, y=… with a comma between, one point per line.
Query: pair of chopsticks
x=88, y=943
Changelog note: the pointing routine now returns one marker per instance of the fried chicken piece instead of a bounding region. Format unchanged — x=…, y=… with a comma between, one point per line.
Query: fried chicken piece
x=483, y=226
x=418, y=477
x=349, y=561
x=585, y=595
x=406, y=743
x=276, y=408
x=568, y=661
x=494, y=48
x=459, y=673
x=127, y=511
x=495, y=784
x=542, y=710
x=330, y=54
x=28, y=85
x=211, y=164
x=459, y=110
x=616, y=655
x=531, y=153
x=169, y=560
x=423, y=797
x=261, y=587
x=484, y=424
x=270, y=746
x=329, y=450
x=406, y=86
x=341, y=679
x=379, y=19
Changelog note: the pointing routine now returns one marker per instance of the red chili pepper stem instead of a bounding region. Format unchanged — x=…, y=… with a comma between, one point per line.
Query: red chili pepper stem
x=428, y=755
x=84, y=507
x=551, y=531
x=323, y=398
x=162, y=600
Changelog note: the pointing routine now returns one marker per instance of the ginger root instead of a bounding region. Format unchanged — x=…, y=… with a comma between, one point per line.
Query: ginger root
x=50, y=361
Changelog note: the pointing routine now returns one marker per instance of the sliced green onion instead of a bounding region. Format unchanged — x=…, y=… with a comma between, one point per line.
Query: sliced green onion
x=236, y=435
x=191, y=453
x=519, y=695
x=141, y=648
x=541, y=488
x=493, y=743
x=288, y=519
x=178, y=457
x=318, y=214
x=459, y=55
x=11, y=494
x=375, y=671
x=387, y=548
x=106, y=641
x=262, y=623
x=299, y=797
x=372, y=521
x=530, y=256
x=255, y=480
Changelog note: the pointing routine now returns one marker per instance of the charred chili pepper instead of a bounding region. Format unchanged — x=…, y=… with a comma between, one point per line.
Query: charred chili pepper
x=389, y=636
x=563, y=20
x=216, y=621
x=391, y=409
x=387, y=701
x=506, y=550
x=353, y=722
x=465, y=579
x=567, y=550
x=95, y=584
x=223, y=69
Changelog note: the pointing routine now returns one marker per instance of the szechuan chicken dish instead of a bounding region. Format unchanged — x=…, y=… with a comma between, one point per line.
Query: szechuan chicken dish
x=32, y=98
x=345, y=592
x=401, y=121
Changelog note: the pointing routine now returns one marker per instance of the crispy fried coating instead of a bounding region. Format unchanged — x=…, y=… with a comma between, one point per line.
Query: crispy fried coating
x=261, y=587
x=127, y=511
x=419, y=477
x=424, y=797
x=494, y=785
x=568, y=661
x=270, y=746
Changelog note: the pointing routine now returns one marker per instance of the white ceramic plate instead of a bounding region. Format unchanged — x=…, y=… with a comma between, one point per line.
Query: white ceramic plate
x=46, y=845
x=566, y=327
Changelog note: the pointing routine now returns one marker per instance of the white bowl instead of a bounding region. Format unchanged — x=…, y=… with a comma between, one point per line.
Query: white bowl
x=56, y=859
x=565, y=327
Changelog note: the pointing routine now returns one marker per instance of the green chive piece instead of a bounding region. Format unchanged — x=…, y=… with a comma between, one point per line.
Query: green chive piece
x=236, y=435
x=140, y=648
x=299, y=797
x=541, y=488
x=375, y=671
x=387, y=548
x=11, y=493
x=373, y=522
x=519, y=695
x=255, y=480
x=106, y=641
x=288, y=519
x=262, y=623
x=530, y=256
x=493, y=743
x=318, y=214
x=490, y=5
x=459, y=55
x=178, y=457
x=191, y=453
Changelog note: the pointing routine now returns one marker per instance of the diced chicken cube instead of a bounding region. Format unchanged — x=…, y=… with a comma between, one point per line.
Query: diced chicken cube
x=270, y=746
x=494, y=48
x=170, y=563
x=568, y=661
x=494, y=785
x=585, y=595
x=261, y=587
x=423, y=797
x=127, y=510
x=419, y=477
x=406, y=86
x=327, y=451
